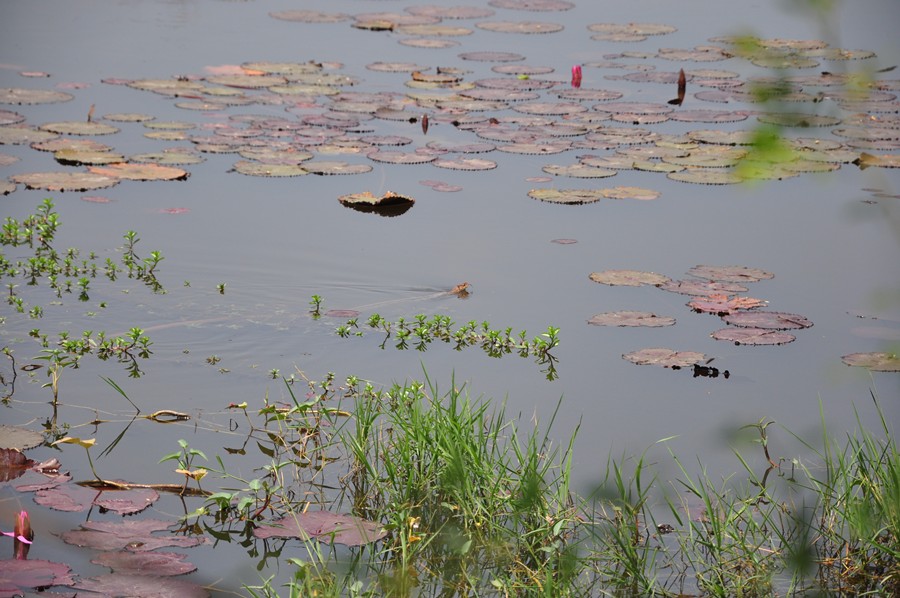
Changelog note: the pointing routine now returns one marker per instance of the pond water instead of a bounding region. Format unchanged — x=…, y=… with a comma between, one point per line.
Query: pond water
x=830, y=239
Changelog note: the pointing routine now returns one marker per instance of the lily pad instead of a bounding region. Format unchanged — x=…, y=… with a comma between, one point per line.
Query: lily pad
x=141, y=172
x=768, y=320
x=160, y=563
x=389, y=204
x=72, y=157
x=630, y=193
x=332, y=168
x=705, y=176
x=18, y=575
x=528, y=27
x=65, y=181
x=135, y=535
x=14, y=437
x=22, y=133
x=129, y=584
x=630, y=318
x=466, y=164
x=535, y=5
x=566, y=196
x=16, y=95
x=75, y=498
x=79, y=128
x=722, y=304
x=581, y=171
x=323, y=526
x=739, y=274
x=666, y=358
x=268, y=169
x=878, y=362
x=628, y=278
x=753, y=336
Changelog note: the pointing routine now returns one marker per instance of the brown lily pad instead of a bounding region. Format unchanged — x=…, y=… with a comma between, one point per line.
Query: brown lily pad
x=877, y=362
x=722, y=304
x=141, y=172
x=79, y=128
x=134, y=534
x=630, y=318
x=768, y=320
x=528, y=27
x=15, y=95
x=130, y=584
x=739, y=274
x=160, y=563
x=666, y=358
x=65, y=181
x=323, y=526
x=753, y=336
x=389, y=204
x=566, y=196
x=18, y=575
x=630, y=193
x=628, y=278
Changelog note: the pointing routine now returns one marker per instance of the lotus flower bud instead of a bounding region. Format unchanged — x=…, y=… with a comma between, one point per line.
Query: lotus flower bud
x=23, y=536
x=576, y=76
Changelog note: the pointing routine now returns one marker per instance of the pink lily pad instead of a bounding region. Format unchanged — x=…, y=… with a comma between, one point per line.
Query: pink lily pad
x=135, y=535
x=17, y=575
x=160, y=563
x=125, y=584
x=768, y=320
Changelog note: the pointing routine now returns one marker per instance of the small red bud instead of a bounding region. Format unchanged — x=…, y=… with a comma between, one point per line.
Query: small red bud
x=576, y=76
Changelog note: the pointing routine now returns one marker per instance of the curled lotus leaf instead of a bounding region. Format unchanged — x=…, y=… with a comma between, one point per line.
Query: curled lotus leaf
x=323, y=526
x=629, y=278
x=666, y=358
x=630, y=318
x=141, y=172
x=527, y=27
x=878, y=362
x=566, y=196
x=866, y=160
x=753, y=336
x=768, y=320
x=19, y=96
x=79, y=128
x=739, y=274
x=65, y=181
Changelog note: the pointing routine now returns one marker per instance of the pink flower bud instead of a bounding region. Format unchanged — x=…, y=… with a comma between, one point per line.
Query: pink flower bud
x=576, y=76
x=23, y=535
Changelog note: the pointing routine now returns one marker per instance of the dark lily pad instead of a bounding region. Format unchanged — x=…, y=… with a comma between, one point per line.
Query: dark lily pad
x=753, y=336
x=13, y=464
x=630, y=318
x=629, y=278
x=6, y=187
x=389, y=204
x=135, y=535
x=492, y=56
x=878, y=362
x=666, y=358
x=71, y=157
x=75, y=498
x=323, y=526
x=129, y=584
x=159, y=563
x=18, y=575
x=768, y=320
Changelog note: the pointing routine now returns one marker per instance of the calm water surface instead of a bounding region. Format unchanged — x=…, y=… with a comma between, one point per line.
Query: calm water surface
x=275, y=242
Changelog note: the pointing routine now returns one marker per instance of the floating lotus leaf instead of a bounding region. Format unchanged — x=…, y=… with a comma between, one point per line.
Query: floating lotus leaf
x=492, y=56
x=167, y=135
x=420, y=42
x=309, y=16
x=589, y=95
x=739, y=274
x=75, y=498
x=528, y=27
x=133, y=534
x=582, y=171
x=635, y=107
x=632, y=28
x=79, y=128
x=435, y=30
x=866, y=160
x=702, y=288
x=499, y=95
x=699, y=54
x=168, y=158
x=722, y=304
x=16, y=95
x=342, y=313
x=8, y=117
x=141, y=172
x=128, y=117
x=722, y=137
x=768, y=320
x=630, y=318
x=165, y=564
x=705, y=176
x=616, y=162
x=639, y=119
x=566, y=196
x=564, y=241
x=323, y=526
x=810, y=166
x=618, y=37
x=628, y=278
x=397, y=18
x=878, y=362
x=172, y=87
x=170, y=125
x=650, y=166
x=65, y=181
x=548, y=147
x=840, y=54
x=6, y=187
x=450, y=12
x=466, y=164
x=129, y=584
x=400, y=157
x=395, y=67
x=461, y=148
x=19, y=575
x=514, y=84
x=838, y=156
x=784, y=61
x=268, y=169
x=753, y=336
x=22, y=133
x=389, y=204
x=73, y=157
x=14, y=437
x=708, y=116
x=549, y=108
x=201, y=106
x=630, y=193
x=666, y=358
x=798, y=119
x=247, y=81
x=330, y=168
x=534, y=5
